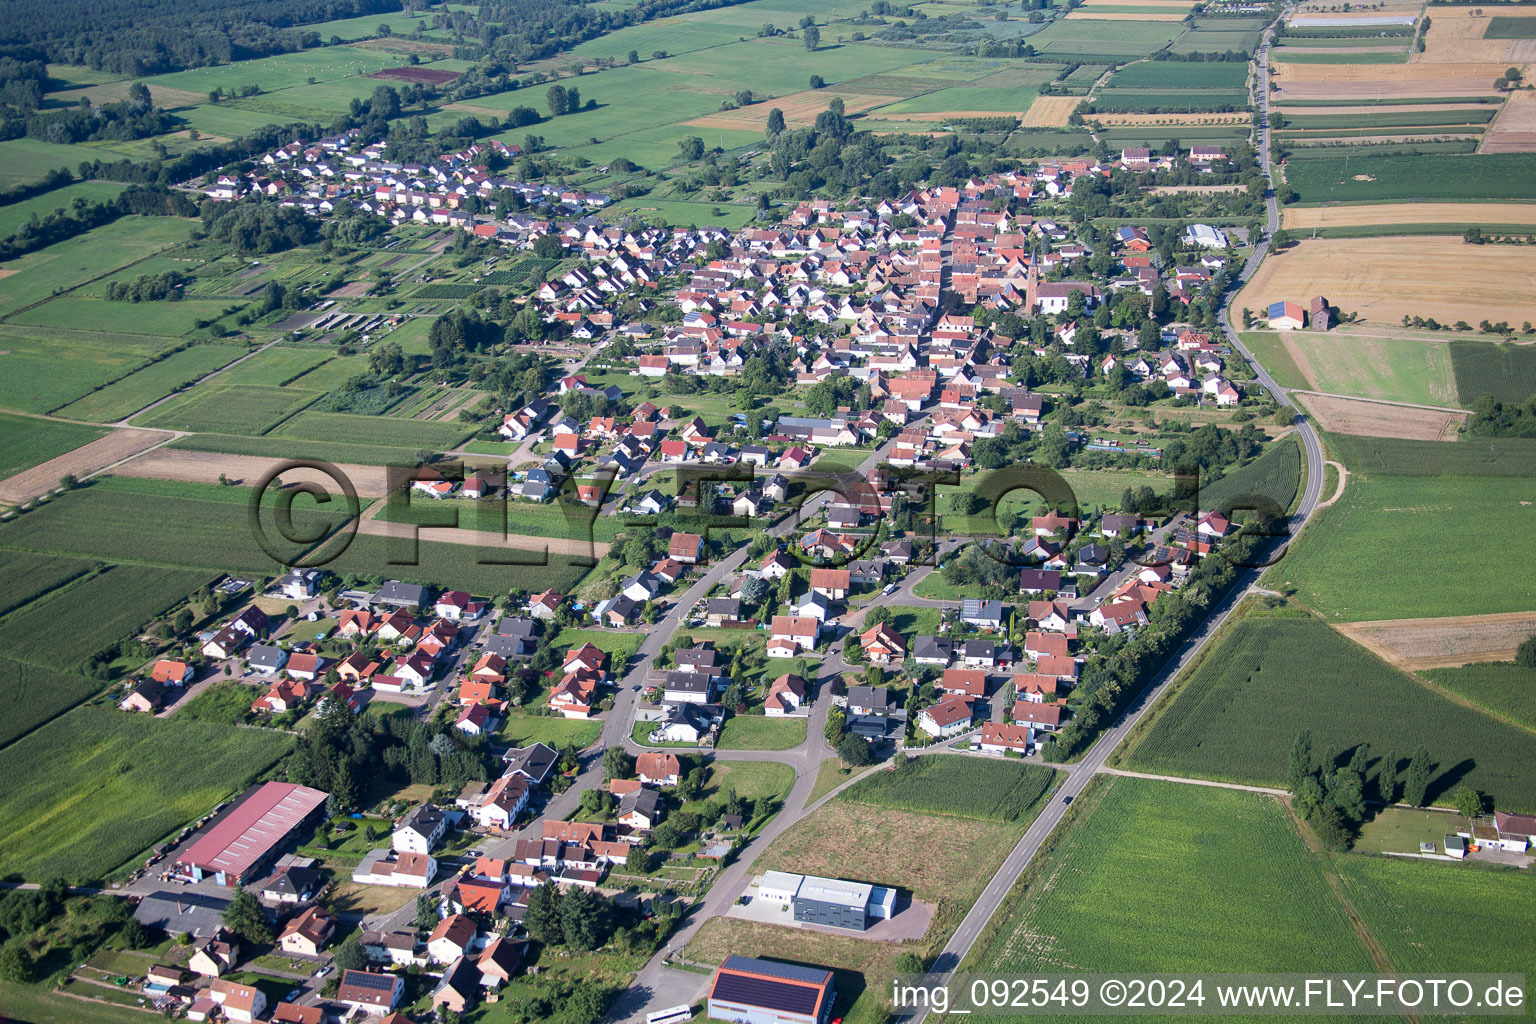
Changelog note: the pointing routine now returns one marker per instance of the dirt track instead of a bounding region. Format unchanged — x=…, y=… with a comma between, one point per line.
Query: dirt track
x=1415, y=644
x=1377, y=419
x=87, y=459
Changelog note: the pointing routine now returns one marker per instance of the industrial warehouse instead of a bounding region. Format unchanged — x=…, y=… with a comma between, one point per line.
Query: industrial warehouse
x=831, y=902
x=752, y=991
x=240, y=843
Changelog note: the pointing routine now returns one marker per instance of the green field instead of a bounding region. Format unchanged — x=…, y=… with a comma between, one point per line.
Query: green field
x=1389, y=118
x=1502, y=687
x=160, y=523
x=452, y=565
x=23, y=161
x=960, y=786
x=33, y=695
x=143, y=387
x=26, y=442
x=1236, y=717
x=1364, y=558
x=29, y=576
x=1433, y=917
x=324, y=64
x=756, y=732
x=1095, y=37
x=1206, y=879
x=288, y=448
x=1363, y=177
x=98, y=252
x=1507, y=372
x=1276, y=474
x=1181, y=75
x=373, y=430
x=279, y=365
x=1510, y=28
x=79, y=312
x=94, y=788
x=1394, y=369
x=1176, y=101
x=1390, y=456
x=64, y=630
x=252, y=409
x=12, y=217
x=38, y=373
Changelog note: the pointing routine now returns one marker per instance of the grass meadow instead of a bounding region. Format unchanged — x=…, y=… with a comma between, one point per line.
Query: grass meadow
x=251, y=409
x=1235, y=717
x=1398, y=547
x=1215, y=880
x=961, y=787
x=94, y=788
x=1394, y=369
x=289, y=448
x=14, y=215
x=143, y=387
x=279, y=365
x=373, y=430
x=98, y=252
x=39, y=373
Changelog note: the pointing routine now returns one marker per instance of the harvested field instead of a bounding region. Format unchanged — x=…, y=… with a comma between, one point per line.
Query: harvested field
x=206, y=467
x=1385, y=279
x=417, y=75
x=1128, y=16
x=1376, y=419
x=1514, y=129
x=1303, y=217
x=486, y=539
x=1382, y=81
x=800, y=110
x=1134, y=120
x=351, y=290
x=87, y=459
x=1050, y=111
x=1414, y=644
x=1455, y=36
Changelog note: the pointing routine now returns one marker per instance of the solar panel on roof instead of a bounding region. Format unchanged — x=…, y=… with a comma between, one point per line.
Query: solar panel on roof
x=765, y=993
x=362, y=979
x=772, y=968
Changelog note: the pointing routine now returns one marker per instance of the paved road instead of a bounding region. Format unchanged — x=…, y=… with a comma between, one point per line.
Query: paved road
x=1078, y=775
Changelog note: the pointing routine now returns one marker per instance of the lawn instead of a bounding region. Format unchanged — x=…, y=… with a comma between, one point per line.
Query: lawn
x=1213, y=879
x=1487, y=176
x=520, y=729
x=1502, y=687
x=958, y=787
x=758, y=732
x=1435, y=917
x=143, y=387
x=1236, y=717
x=1363, y=558
x=619, y=645
x=249, y=409
x=14, y=215
x=63, y=630
x=94, y=788
x=749, y=779
x=26, y=442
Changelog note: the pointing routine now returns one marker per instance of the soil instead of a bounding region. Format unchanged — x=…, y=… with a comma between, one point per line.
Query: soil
x=1377, y=419
x=1415, y=644
x=83, y=461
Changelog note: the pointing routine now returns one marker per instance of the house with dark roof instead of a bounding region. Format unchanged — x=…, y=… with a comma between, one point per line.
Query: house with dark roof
x=747, y=990
x=368, y=992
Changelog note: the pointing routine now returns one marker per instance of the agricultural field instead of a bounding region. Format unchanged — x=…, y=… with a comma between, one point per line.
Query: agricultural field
x=1506, y=689
x=1429, y=919
x=33, y=695
x=1375, y=419
x=1213, y=879
x=26, y=441
x=95, y=788
x=144, y=387
x=159, y=523
x=30, y=576
x=80, y=312
x=1362, y=558
x=1099, y=37
x=1276, y=474
x=1386, y=456
x=1417, y=370
x=373, y=430
x=1385, y=279
x=39, y=373
x=280, y=72
x=1236, y=716
x=457, y=565
x=1321, y=78
x=289, y=448
x=957, y=787
x=1426, y=177
x=1302, y=219
x=1416, y=644
x=70, y=263
x=277, y=366
x=1229, y=75
x=14, y=215
x=64, y=630
x=1507, y=372
x=252, y=409
x=23, y=161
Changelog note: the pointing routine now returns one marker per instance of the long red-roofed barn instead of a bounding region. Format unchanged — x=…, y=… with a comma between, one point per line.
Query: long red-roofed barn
x=240, y=843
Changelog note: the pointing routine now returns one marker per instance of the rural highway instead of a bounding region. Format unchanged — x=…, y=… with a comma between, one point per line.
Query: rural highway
x=1077, y=777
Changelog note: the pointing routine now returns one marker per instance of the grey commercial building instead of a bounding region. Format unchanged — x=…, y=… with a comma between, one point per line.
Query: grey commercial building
x=831, y=902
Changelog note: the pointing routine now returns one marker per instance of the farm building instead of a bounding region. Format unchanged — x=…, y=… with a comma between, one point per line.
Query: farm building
x=239, y=844
x=1286, y=316
x=751, y=991
x=1320, y=314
